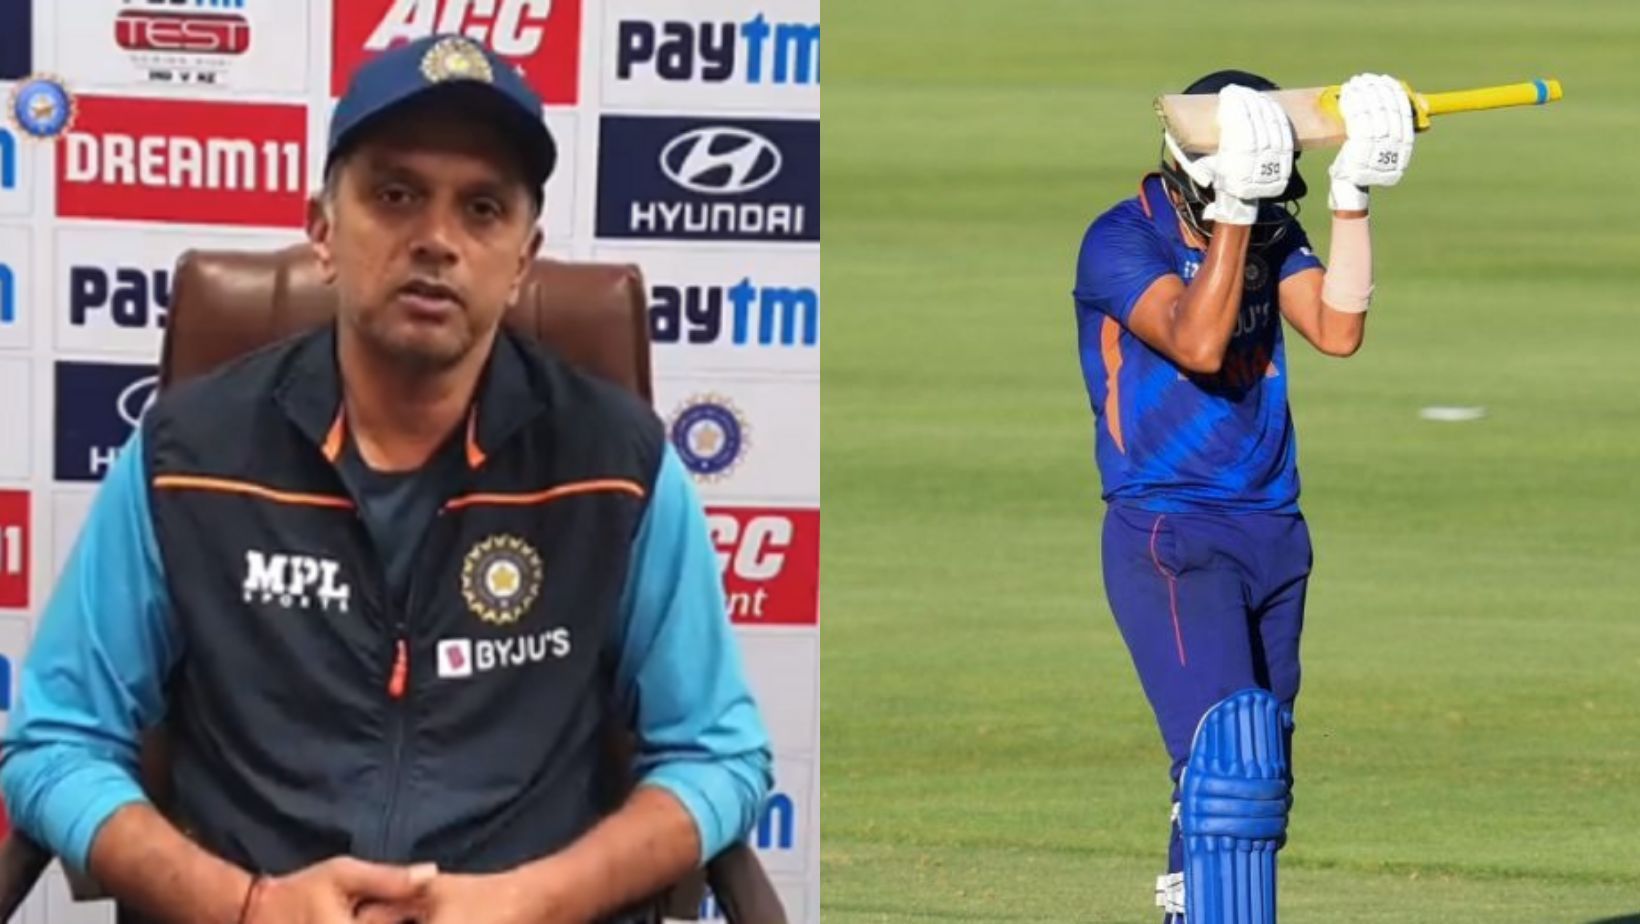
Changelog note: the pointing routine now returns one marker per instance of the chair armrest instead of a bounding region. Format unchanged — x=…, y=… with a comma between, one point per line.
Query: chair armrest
x=742, y=888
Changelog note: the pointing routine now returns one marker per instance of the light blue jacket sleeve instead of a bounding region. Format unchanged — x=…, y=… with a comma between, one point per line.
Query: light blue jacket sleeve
x=680, y=672
x=94, y=677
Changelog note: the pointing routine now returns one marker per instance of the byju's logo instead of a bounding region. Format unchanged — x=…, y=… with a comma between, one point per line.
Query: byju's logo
x=743, y=314
x=98, y=406
x=753, y=51
x=126, y=296
x=690, y=179
x=294, y=581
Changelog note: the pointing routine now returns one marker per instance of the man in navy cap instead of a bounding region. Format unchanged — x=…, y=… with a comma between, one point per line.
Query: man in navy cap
x=1180, y=296
x=387, y=583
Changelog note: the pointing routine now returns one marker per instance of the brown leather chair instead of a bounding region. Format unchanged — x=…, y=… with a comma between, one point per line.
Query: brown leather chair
x=225, y=304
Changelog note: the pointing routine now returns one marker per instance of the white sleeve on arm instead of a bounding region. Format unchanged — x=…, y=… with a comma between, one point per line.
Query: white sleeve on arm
x=95, y=675
x=680, y=673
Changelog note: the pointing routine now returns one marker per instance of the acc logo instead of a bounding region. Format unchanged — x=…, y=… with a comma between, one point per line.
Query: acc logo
x=42, y=107
x=710, y=436
x=500, y=579
x=720, y=160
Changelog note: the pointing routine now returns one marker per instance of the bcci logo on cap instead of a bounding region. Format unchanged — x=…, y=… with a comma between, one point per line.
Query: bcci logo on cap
x=456, y=59
x=711, y=436
x=500, y=579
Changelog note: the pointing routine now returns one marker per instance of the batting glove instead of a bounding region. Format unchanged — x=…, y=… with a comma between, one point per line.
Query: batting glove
x=1254, y=159
x=1378, y=146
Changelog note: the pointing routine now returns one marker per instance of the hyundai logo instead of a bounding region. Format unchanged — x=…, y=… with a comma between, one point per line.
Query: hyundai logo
x=135, y=400
x=720, y=161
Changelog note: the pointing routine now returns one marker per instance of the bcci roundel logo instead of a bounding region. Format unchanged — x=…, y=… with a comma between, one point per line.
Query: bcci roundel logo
x=42, y=107
x=500, y=579
x=721, y=160
x=710, y=436
x=456, y=58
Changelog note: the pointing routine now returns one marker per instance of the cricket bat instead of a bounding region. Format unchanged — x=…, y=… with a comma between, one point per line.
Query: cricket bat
x=1193, y=119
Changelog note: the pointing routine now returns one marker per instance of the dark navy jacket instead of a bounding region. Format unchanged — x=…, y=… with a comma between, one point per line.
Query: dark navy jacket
x=225, y=581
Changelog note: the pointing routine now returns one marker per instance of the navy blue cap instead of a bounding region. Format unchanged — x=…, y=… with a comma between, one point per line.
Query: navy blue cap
x=446, y=64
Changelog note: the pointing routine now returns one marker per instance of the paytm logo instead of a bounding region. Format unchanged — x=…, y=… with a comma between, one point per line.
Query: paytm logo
x=98, y=407
x=752, y=51
x=294, y=581
x=126, y=296
x=5, y=684
x=743, y=314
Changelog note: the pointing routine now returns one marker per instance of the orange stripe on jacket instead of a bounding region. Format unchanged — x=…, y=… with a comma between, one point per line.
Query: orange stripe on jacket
x=616, y=485
x=1110, y=343
x=229, y=486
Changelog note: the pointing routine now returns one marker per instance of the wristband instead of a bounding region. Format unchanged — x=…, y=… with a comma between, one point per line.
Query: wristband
x=1347, y=286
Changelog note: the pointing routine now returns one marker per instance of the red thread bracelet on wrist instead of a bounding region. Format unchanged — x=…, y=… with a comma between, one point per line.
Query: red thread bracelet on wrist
x=250, y=895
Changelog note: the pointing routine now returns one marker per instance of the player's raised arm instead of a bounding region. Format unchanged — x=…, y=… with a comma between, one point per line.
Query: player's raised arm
x=1329, y=308
x=1191, y=324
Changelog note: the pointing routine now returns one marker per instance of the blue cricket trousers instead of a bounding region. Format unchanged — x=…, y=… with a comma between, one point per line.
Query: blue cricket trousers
x=1208, y=604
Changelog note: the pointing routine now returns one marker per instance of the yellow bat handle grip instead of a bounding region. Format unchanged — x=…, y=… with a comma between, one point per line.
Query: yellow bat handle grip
x=1532, y=93
x=1424, y=105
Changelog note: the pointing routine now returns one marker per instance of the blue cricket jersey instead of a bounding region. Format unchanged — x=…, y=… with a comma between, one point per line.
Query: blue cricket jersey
x=1170, y=441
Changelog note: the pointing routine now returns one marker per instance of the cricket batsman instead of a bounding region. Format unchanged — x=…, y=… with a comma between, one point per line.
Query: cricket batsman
x=1180, y=293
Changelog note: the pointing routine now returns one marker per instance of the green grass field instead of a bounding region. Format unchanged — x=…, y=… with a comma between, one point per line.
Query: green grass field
x=1469, y=729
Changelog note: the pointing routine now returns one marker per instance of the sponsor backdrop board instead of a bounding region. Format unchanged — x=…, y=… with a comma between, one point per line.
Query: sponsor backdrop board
x=690, y=141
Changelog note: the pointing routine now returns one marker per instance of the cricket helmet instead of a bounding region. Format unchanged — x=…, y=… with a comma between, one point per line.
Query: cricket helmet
x=1194, y=197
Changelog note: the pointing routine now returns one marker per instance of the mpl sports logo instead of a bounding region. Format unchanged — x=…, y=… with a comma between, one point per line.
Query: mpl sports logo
x=294, y=581
x=540, y=37
x=98, y=407
x=699, y=179
x=770, y=558
x=730, y=53
x=184, y=161
x=15, y=541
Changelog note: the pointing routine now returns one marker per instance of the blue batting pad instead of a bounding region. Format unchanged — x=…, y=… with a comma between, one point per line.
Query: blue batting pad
x=1233, y=801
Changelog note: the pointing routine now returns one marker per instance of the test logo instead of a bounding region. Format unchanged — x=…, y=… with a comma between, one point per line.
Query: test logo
x=770, y=559
x=173, y=47
x=14, y=549
x=98, y=407
x=184, y=161
x=542, y=38
x=690, y=179
x=752, y=51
